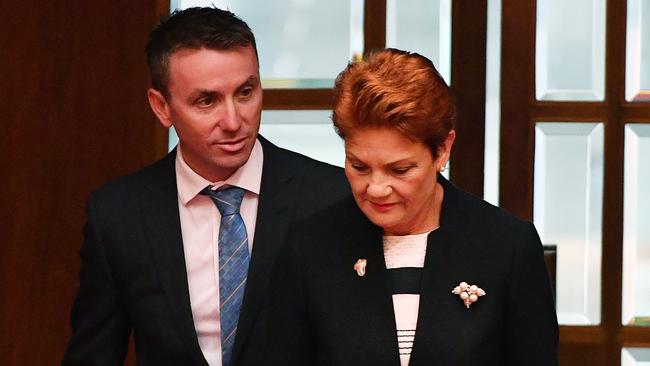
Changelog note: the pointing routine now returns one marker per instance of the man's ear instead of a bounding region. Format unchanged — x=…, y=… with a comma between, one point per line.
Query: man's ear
x=160, y=107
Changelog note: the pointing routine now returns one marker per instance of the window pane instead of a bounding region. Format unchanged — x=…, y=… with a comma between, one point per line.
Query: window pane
x=308, y=132
x=636, y=231
x=635, y=357
x=637, y=83
x=173, y=139
x=570, y=65
x=568, y=197
x=422, y=26
x=492, y=103
x=302, y=43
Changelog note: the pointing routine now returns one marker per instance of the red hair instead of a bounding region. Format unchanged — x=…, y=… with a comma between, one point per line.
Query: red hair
x=395, y=89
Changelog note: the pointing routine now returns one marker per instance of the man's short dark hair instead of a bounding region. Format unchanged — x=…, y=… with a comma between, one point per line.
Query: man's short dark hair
x=193, y=28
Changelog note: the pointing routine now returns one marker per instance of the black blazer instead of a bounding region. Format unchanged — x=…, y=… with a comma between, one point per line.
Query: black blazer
x=325, y=314
x=133, y=273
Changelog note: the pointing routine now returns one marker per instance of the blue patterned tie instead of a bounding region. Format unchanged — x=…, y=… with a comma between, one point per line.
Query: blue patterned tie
x=233, y=263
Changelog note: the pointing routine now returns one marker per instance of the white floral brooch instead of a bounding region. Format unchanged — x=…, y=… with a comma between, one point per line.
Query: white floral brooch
x=468, y=293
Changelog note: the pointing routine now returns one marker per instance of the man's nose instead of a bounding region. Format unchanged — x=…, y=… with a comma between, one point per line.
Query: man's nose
x=230, y=118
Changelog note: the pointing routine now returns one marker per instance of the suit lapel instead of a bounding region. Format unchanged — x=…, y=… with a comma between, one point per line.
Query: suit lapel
x=276, y=208
x=438, y=279
x=440, y=274
x=373, y=311
x=161, y=223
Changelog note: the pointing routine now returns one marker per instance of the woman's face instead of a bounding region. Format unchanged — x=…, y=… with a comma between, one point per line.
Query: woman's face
x=393, y=179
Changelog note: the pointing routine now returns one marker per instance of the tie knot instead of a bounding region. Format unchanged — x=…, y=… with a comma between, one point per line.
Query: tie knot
x=227, y=200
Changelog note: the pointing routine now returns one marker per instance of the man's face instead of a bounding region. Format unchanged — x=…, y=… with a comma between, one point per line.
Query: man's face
x=215, y=104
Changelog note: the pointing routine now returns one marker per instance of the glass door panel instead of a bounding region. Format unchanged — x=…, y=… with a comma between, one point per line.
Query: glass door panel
x=637, y=79
x=636, y=226
x=568, y=198
x=301, y=44
x=635, y=357
x=570, y=56
x=309, y=132
x=422, y=26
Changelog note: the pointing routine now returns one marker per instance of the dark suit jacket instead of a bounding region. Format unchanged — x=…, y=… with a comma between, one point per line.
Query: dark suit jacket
x=325, y=314
x=133, y=273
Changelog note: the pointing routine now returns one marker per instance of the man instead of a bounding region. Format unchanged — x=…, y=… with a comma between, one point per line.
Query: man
x=181, y=251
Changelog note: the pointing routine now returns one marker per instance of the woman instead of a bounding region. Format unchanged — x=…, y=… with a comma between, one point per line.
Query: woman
x=413, y=271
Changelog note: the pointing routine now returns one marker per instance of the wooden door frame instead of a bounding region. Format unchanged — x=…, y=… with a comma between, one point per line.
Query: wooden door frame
x=600, y=344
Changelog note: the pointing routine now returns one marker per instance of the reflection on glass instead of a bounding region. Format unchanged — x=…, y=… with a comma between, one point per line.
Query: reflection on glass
x=422, y=26
x=309, y=132
x=173, y=139
x=570, y=55
x=301, y=43
x=568, y=197
x=492, y=103
x=637, y=83
x=635, y=357
x=636, y=231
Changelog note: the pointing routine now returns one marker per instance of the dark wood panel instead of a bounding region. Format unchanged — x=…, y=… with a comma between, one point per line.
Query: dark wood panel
x=75, y=115
x=612, y=268
x=594, y=335
x=635, y=337
x=583, y=355
x=636, y=113
x=469, y=36
x=517, y=97
x=374, y=25
x=570, y=112
x=297, y=99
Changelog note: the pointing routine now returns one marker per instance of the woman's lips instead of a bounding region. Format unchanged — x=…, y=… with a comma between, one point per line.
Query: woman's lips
x=382, y=207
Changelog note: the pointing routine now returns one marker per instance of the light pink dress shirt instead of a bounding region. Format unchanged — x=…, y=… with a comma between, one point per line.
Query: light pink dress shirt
x=200, y=220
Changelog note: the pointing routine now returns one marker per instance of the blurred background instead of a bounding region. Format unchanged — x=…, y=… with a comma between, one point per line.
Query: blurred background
x=553, y=126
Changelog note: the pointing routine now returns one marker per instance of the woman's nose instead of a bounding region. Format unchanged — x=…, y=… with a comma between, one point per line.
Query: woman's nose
x=378, y=188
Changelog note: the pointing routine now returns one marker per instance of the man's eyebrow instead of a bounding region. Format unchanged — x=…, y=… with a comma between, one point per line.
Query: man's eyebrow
x=252, y=80
x=202, y=93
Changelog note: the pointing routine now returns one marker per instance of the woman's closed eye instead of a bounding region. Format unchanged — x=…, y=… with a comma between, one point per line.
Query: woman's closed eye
x=400, y=170
x=359, y=168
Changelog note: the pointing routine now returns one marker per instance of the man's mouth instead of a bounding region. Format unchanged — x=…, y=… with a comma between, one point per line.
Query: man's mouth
x=232, y=145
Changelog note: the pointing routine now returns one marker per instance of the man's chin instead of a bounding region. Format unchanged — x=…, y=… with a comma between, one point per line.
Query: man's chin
x=233, y=161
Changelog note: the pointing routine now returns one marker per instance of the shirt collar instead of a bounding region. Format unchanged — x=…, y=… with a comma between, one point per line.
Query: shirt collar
x=248, y=176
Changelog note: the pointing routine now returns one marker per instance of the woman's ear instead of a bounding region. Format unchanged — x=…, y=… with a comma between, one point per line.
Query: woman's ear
x=444, y=151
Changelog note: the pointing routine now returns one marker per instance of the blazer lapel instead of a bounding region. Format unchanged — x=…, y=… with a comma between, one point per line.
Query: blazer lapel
x=276, y=208
x=438, y=279
x=440, y=274
x=161, y=223
x=374, y=310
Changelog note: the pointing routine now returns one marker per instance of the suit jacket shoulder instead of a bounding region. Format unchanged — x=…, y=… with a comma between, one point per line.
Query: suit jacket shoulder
x=317, y=184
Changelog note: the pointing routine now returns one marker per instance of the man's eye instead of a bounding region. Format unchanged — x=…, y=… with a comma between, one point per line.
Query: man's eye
x=205, y=102
x=246, y=92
